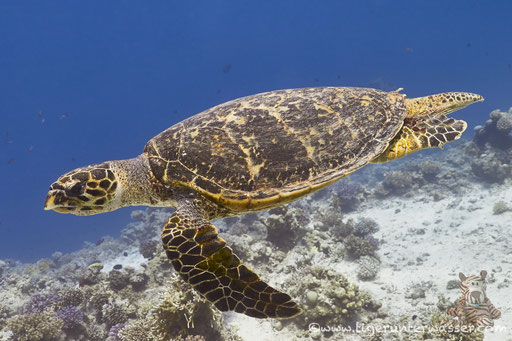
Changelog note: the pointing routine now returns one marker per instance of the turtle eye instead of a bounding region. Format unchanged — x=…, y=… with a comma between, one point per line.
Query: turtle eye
x=75, y=190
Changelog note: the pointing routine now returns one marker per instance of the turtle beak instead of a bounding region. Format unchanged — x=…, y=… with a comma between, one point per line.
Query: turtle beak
x=57, y=201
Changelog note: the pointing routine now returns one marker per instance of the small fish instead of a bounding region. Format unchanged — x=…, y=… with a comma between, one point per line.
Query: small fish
x=40, y=113
x=11, y=161
x=226, y=68
x=30, y=149
x=43, y=120
x=409, y=49
x=63, y=116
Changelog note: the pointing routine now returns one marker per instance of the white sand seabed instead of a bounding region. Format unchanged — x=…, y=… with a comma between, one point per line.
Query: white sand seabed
x=427, y=241
x=460, y=235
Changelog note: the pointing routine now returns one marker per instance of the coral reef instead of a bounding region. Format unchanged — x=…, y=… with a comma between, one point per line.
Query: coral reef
x=113, y=314
x=395, y=182
x=70, y=316
x=135, y=331
x=491, y=167
x=148, y=248
x=500, y=207
x=368, y=267
x=285, y=226
x=329, y=298
x=36, y=326
x=430, y=169
x=496, y=131
x=346, y=195
x=118, y=280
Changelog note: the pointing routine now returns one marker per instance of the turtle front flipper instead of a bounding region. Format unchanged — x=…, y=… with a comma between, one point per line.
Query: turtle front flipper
x=422, y=132
x=204, y=260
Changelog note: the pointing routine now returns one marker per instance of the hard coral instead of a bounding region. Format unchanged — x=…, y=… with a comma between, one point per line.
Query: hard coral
x=430, y=169
x=285, y=226
x=41, y=302
x=113, y=314
x=136, y=331
x=336, y=300
x=365, y=226
x=357, y=247
x=496, y=131
x=346, y=195
x=70, y=316
x=71, y=297
x=490, y=168
x=368, y=268
x=37, y=326
x=113, y=334
x=179, y=308
x=148, y=248
x=398, y=181
x=118, y=280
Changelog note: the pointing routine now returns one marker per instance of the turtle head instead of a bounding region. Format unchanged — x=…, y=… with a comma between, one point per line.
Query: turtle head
x=439, y=104
x=85, y=191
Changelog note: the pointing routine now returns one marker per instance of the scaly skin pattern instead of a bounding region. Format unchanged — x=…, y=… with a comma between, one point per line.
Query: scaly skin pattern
x=86, y=189
x=419, y=133
x=251, y=154
x=264, y=150
x=204, y=260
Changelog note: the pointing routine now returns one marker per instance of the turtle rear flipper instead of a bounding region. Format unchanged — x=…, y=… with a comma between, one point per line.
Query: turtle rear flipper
x=419, y=133
x=204, y=260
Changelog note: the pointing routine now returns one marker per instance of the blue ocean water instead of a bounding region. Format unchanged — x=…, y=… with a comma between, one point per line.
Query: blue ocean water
x=84, y=82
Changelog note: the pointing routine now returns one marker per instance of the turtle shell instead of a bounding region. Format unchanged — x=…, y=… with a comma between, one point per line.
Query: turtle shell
x=260, y=151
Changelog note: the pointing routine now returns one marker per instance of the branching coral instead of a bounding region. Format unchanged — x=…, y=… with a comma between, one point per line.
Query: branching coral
x=71, y=317
x=41, y=302
x=71, y=297
x=179, y=308
x=136, y=331
x=113, y=314
x=37, y=326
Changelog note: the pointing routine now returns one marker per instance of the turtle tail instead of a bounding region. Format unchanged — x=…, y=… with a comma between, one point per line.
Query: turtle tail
x=204, y=260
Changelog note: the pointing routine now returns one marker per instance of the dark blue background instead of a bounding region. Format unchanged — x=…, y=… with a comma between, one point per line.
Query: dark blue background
x=122, y=71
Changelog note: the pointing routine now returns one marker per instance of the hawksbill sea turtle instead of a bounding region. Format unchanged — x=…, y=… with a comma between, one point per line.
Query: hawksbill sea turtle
x=252, y=154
